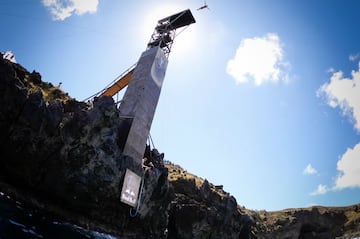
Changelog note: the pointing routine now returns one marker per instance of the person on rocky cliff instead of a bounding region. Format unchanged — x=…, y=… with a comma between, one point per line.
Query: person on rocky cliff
x=148, y=165
x=153, y=160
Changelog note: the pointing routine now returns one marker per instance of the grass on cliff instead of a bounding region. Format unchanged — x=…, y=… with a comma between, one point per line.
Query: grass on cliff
x=49, y=91
x=178, y=173
x=353, y=217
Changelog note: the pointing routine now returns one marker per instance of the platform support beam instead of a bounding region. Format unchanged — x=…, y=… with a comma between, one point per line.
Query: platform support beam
x=140, y=100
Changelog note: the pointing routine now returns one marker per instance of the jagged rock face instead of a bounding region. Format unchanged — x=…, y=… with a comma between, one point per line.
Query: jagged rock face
x=56, y=145
x=70, y=152
x=310, y=223
x=202, y=210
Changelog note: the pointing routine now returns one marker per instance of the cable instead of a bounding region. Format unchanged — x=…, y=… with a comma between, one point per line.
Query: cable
x=111, y=83
x=152, y=142
x=183, y=29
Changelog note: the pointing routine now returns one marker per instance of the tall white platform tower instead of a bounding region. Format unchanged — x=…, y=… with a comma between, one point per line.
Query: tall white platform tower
x=142, y=94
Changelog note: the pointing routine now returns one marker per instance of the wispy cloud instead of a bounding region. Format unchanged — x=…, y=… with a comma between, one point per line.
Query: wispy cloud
x=259, y=59
x=62, y=9
x=349, y=168
x=321, y=189
x=354, y=57
x=309, y=170
x=344, y=93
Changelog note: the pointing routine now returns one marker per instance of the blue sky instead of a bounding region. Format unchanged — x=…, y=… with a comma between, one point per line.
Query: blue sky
x=262, y=97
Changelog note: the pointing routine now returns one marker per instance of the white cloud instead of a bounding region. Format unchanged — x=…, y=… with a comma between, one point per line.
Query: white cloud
x=349, y=167
x=62, y=9
x=344, y=93
x=258, y=59
x=309, y=170
x=353, y=57
x=321, y=189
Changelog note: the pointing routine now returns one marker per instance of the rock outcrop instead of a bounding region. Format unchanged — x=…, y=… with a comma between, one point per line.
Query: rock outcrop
x=70, y=153
x=308, y=223
x=65, y=156
x=202, y=210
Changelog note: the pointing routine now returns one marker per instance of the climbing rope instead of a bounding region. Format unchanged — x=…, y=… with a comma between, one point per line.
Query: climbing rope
x=151, y=141
x=134, y=212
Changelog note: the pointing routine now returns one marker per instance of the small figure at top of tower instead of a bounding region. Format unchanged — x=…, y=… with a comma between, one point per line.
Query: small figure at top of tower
x=203, y=6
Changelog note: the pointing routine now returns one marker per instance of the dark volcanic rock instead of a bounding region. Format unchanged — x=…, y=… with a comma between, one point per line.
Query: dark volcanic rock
x=201, y=210
x=65, y=156
x=309, y=223
x=69, y=153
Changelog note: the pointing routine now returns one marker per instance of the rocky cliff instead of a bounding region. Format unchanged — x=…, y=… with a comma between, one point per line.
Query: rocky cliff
x=65, y=156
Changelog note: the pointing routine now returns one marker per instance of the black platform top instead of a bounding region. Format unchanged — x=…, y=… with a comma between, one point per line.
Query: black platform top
x=178, y=20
